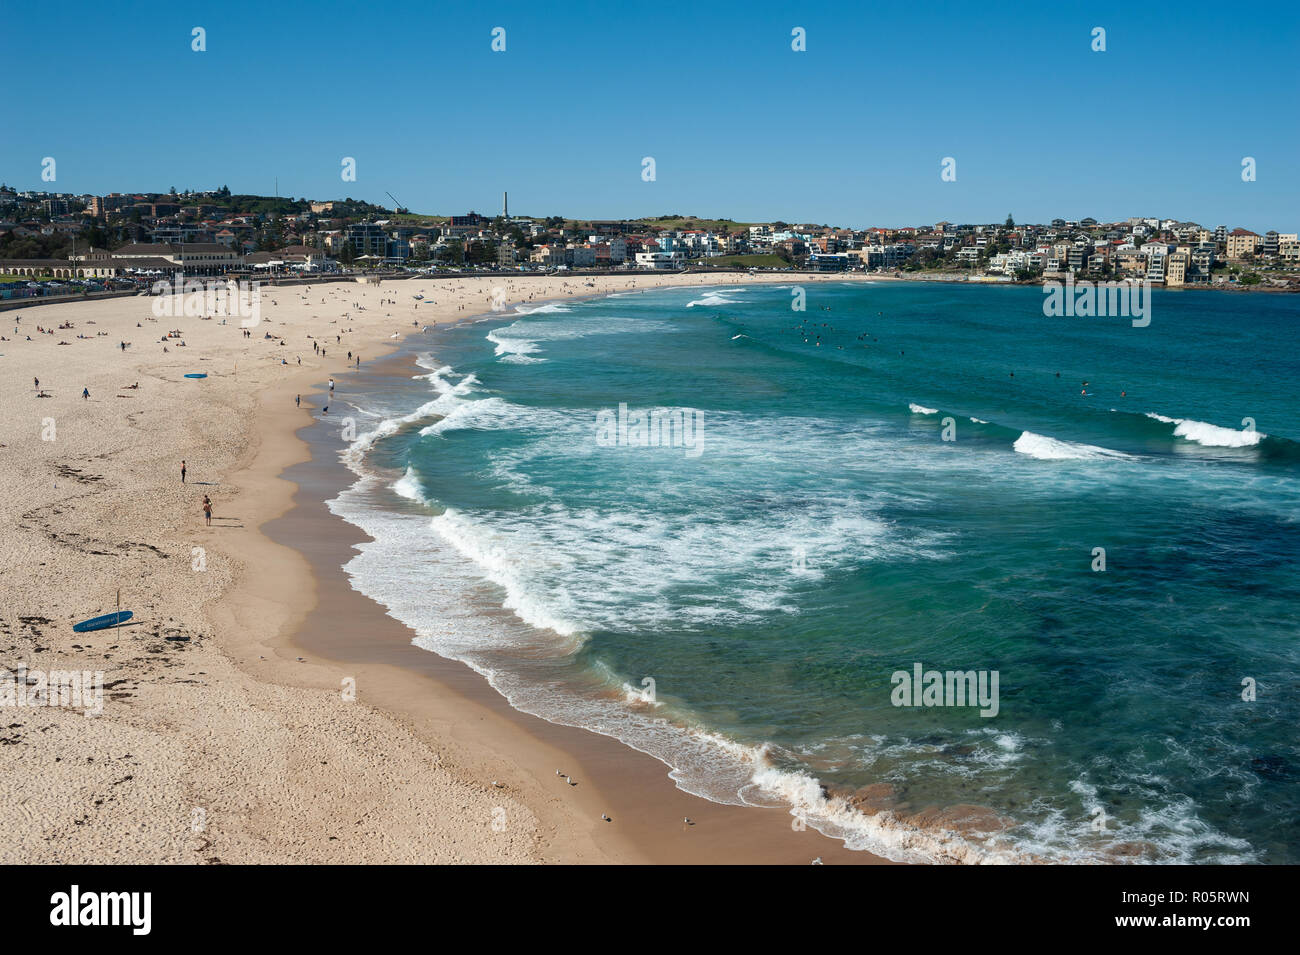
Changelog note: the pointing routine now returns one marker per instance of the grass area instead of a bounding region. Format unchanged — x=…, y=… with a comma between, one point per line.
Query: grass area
x=413, y=217
x=30, y=278
x=742, y=262
x=686, y=222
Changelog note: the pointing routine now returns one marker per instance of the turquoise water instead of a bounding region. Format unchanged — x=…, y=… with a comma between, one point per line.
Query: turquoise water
x=821, y=535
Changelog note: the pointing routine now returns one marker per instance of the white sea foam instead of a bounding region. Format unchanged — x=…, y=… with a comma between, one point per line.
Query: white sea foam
x=715, y=297
x=408, y=486
x=449, y=396
x=511, y=346
x=1210, y=435
x=520, y=342
x=1053, y=449
x=921, y=409
x=549, y=309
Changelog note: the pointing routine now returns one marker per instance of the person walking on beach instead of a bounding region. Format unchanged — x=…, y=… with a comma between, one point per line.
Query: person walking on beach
x=331, y=386
x=297, y=401
x=85, y=394
x=182, y=472
x=207, y=511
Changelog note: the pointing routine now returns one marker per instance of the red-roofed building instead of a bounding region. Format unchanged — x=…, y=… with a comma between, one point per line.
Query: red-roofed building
x=1242, y=242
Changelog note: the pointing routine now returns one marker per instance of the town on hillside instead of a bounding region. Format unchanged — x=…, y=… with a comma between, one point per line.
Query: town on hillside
x=58, y=243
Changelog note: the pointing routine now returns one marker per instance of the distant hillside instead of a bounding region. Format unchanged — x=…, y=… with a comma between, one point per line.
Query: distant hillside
x=691, y=222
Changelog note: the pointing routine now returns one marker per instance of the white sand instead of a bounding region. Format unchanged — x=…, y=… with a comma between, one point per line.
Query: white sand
x=223, y=747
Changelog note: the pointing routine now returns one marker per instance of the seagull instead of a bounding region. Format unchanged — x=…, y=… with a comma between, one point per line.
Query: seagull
x=605, y=817
x=688, y=822
x=817, y=861
x=572, y=782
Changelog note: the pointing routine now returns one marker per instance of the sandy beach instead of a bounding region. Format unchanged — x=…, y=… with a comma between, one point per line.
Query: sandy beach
x=257, y=709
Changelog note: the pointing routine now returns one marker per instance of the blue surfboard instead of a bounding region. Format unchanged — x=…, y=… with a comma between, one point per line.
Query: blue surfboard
x=196, y=374
x=101, y=623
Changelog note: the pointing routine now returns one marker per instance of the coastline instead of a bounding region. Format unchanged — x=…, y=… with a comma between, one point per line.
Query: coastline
x=446, y=702
x=253, y=755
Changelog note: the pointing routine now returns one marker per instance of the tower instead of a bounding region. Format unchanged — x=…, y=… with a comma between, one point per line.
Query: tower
x=505, y=205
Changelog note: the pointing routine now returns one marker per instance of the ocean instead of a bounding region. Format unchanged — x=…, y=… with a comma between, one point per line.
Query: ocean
x=732, y=534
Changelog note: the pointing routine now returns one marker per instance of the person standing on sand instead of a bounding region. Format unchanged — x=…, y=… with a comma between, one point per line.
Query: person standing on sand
x=182, y=472
x=297, y=401
x=85, y=393
x=207, y=512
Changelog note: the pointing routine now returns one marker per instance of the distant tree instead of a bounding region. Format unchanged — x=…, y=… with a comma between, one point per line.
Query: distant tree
x=1010, y=223
x=481, y=253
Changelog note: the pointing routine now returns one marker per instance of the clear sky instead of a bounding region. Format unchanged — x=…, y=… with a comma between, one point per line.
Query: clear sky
x=850, y=132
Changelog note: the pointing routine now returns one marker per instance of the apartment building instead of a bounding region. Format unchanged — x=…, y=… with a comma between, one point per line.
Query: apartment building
x=1242, y=242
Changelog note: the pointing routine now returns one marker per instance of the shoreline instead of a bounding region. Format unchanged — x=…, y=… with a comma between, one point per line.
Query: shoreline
x=223, y=747
x=447, y=700
x=440, y=699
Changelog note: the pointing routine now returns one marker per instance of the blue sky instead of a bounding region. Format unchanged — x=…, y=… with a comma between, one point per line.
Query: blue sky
x=850, y=132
